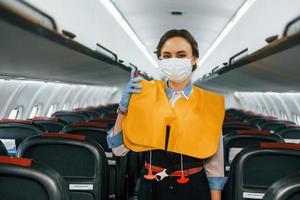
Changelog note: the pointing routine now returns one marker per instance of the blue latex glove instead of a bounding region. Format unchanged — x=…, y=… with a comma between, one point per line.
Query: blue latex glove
x=131, y=87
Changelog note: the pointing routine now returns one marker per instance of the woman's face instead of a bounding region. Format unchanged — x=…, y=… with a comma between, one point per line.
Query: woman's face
x=177, y=47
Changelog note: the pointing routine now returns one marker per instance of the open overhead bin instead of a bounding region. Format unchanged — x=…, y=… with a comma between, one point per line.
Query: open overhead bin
x=32, y=48
x=275, y=67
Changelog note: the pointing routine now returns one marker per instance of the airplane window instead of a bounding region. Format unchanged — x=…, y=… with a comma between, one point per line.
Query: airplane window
x=84, y=104
x=265, y=112
x=257, y=109
x=66, y=106
x=295, y=118
x=50, y=111
x=273, y=113
x=15, y=113
x=75, y=105
x=298, y=119
x=283, y=115
x=34, y=112
x=55, y=107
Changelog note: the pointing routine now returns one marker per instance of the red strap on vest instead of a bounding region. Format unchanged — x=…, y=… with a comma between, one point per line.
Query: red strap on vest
x=280, y=145
x=16, y=121
x=46, y=118
x=88, y=124
x=186, y=172
x=254, y=132
x=24, y=162
x=63, y=135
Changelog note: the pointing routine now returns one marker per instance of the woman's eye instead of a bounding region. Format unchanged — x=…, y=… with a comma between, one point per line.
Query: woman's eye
x=181, y=56
x=166, y=56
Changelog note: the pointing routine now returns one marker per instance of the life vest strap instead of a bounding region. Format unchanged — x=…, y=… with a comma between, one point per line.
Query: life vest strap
x=186, y=172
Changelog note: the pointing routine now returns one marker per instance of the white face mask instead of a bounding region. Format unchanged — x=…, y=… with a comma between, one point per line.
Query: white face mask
x=176, y=69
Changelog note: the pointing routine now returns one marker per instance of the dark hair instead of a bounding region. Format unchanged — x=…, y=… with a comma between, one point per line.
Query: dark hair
x=178, y=33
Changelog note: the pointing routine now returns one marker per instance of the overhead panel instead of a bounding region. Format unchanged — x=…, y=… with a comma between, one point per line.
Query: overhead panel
x=276, y=67
x=31, y=50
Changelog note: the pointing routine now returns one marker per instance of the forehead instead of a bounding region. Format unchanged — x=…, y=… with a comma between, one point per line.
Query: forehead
x=176, y=44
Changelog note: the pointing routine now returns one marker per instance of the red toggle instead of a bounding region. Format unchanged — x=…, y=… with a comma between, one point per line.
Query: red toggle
x=150, y=175
x=182, y=179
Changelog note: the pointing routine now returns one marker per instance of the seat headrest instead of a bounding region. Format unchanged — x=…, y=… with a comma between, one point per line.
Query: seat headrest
x=88, y=124
x=24, y=162
x=62, y=135
x=16, y=121
x=46, y=118
x=254, y=132
x=279, y=145
x=104, y=119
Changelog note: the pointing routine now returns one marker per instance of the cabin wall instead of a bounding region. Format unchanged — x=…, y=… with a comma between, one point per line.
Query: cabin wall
x=231, y=101
x=285, y=106
x=25, y=95
x=50, y=97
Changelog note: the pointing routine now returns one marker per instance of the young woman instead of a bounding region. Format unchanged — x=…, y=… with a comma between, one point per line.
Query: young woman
x=176, y=124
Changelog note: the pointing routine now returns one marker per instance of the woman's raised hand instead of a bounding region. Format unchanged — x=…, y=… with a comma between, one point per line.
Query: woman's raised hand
x=130, y=88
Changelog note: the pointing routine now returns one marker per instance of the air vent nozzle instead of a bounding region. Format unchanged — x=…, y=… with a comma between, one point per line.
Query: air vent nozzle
x=176, y=12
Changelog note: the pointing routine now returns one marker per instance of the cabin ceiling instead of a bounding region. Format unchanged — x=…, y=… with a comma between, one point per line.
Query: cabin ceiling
x=204, y=19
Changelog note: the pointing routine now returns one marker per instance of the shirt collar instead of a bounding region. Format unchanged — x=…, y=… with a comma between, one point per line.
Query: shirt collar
x=186, y=92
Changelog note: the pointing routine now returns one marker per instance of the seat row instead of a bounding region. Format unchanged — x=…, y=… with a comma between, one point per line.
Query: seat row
x=78, y=153
x=258, y=152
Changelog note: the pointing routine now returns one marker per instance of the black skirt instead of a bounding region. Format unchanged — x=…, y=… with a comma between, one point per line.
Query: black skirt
x=196, y=188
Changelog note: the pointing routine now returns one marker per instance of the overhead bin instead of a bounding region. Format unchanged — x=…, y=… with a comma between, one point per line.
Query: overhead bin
x=31, y=47
x=275, y=67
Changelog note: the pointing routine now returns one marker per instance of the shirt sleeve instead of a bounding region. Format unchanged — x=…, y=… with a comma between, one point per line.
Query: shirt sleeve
x=116, y=143
x=214, y=168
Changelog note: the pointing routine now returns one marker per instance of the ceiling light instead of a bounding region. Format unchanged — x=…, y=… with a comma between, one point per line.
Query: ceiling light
x=242, y=10
x=126, y=27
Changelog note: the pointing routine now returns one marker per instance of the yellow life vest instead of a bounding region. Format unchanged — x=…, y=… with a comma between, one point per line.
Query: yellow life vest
x=194, y=125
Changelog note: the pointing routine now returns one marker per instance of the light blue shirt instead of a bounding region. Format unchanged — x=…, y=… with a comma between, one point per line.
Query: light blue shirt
x=215, y=183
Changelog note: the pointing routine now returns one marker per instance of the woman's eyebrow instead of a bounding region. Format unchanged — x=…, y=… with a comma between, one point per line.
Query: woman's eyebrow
x=166, y=52
x=181, y=52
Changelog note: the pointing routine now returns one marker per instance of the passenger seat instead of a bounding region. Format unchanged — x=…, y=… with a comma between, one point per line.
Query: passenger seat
x=25, y=179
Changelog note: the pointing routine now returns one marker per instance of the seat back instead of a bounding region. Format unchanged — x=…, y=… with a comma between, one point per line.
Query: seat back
x=12, y=134
x=91, y=129
x=229, y=128
x=235, y=142
x=80, y=160
x=257, y=167
x=117, y=165
x=290, y=134
x=70, y=117
x=287, y=188
x=50, y=124
x=3, y=150
x=274, y=125
x=26, y=179
x=91, y=114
